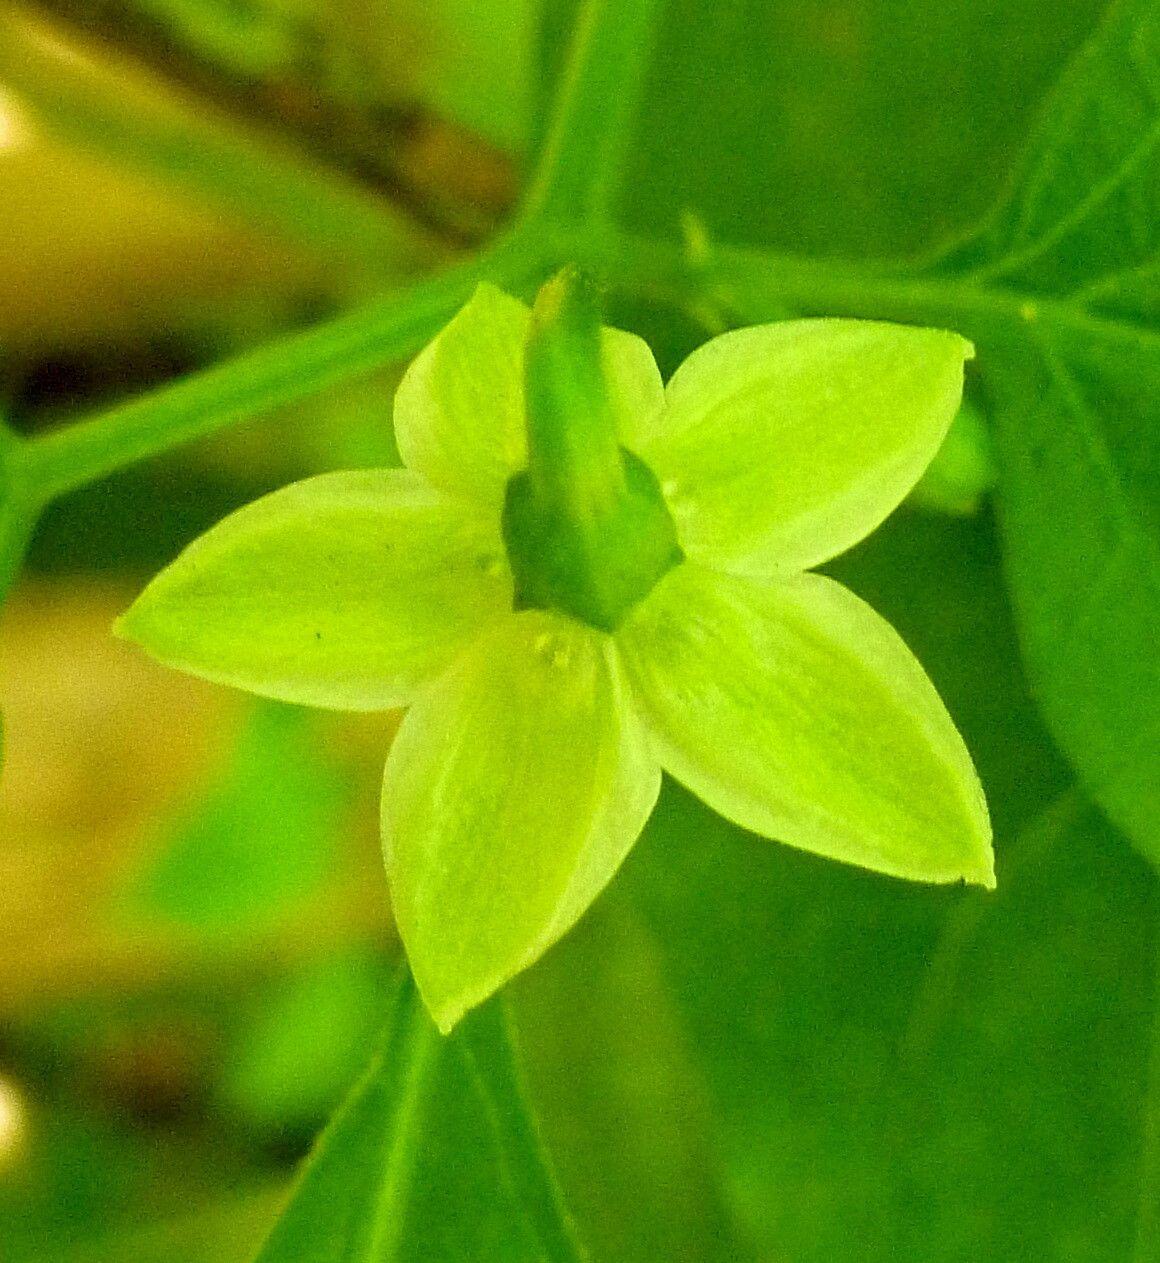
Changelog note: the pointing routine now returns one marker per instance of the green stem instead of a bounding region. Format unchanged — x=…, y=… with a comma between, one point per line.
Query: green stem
x=256, y=178
x=758, y=282
x=763, y=284
x=596, y=103
x=279, y=373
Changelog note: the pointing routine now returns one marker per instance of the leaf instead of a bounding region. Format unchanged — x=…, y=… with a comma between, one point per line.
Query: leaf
x=260, y=840
x=902, y=1077
x=1077, y=411
x=434, y=1157
x=1084, y=559
x=837, y=129
x=902, y=1073
x=1081, y=220
x=621, y=1100
x=307, y=1037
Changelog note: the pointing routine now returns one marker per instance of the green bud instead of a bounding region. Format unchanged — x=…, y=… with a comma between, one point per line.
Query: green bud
x=587, y=530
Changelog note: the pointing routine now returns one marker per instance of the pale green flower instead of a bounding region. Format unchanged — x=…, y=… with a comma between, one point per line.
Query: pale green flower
x=530, y=756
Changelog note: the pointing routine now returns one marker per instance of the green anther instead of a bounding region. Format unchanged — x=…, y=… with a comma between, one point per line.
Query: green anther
x=587, y=530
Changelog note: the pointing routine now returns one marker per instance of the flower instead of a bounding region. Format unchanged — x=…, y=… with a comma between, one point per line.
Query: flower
x=565, y=617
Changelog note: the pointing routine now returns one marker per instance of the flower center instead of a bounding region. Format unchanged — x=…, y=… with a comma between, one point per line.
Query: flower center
x=587, y=530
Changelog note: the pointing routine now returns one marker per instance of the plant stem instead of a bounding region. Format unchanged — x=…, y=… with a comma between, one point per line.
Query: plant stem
x=279, y=373
x=564, y=223
x=758, y=282
x=596, y=103
x=259, y=179
x=762, y=284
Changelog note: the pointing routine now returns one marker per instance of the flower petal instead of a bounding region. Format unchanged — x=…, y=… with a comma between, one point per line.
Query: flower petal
x=784, y=444
x=796, y=711
x=345, y=591
x=517, y=784
x=635, y=385
x=459, y=410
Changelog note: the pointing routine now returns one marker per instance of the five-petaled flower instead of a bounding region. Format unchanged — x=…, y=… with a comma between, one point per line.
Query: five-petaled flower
x=530, y=756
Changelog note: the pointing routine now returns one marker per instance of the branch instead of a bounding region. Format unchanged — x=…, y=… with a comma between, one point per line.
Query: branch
x=278, y=373
x=258, y=179
x=580, y=167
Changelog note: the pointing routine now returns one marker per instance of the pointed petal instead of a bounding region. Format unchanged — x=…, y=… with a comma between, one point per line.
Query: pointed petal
x=635, y=384
x=344, y=591
x=784, y=444
x=796, y=711
x=517, y=784
x=459, y=410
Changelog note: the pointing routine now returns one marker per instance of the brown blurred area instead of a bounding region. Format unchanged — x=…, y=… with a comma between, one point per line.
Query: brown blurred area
x=102, y=745
x=123, y=265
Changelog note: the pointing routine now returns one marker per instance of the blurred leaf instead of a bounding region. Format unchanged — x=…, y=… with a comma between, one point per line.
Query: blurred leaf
x=90, y=1188
x=1077, y=416
x=309, y=1037
x=889, y=1090
x=905, y=1073
x=621, y=1100
x=434, y=1155
x=16, y=517
x=228, y=1232
x=837, y=126
x=262, y=839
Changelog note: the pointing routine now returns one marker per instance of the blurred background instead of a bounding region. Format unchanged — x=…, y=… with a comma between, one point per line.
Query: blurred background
x=742, y=1052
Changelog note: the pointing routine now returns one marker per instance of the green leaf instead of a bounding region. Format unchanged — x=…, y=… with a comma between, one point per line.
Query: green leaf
x=794, y=710
x=306, y=1039
x=781, y=445
x=516, y=785
x=1081, y=219
x=864, y=128
x=435, y=1155
x=259, y=841
x=1077, y=411
x=907, y=1076
x=942, y=1075
x=346, y=591
x=620, y=1096
x=1083, y=553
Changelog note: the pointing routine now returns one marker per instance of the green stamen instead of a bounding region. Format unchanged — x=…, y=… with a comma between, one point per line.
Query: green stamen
x=587, y=529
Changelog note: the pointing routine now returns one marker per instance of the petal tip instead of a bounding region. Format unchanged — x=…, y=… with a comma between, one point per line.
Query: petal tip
x=985, y=875
x=446, y=1020
x=124, y=626
x=446, y=1010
